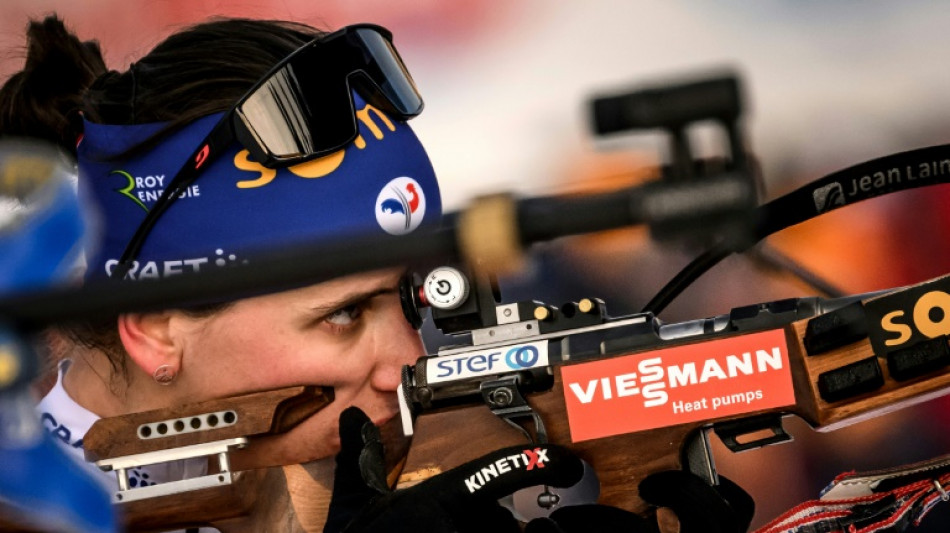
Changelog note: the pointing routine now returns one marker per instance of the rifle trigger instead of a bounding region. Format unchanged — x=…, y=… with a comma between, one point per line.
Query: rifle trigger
x=504, y=398
x=699, y=458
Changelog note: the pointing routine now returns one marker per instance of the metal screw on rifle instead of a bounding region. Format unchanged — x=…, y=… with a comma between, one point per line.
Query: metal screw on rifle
x=501, y=397
x=423, y=395
x=548, y=499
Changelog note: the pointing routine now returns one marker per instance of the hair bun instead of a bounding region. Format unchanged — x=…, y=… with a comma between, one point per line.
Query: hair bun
x=44, y=99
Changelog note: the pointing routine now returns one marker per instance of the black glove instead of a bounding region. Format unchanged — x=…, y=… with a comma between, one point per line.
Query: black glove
x=590, y=517
x=462, y=500
x=700, y=508
x=724, y=508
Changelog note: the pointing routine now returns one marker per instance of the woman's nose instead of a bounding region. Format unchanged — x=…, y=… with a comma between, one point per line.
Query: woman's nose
x=400, y=345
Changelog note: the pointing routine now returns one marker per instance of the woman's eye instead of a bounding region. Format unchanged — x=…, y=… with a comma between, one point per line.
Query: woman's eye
x=345, y=316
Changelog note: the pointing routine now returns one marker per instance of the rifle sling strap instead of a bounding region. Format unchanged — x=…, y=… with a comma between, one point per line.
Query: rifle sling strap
x=880, y=501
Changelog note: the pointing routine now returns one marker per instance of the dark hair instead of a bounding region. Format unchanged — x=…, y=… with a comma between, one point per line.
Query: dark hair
x=43, y=100
x=197, y=71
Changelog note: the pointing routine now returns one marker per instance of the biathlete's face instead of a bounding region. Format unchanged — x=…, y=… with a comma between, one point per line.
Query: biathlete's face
x=348, y=333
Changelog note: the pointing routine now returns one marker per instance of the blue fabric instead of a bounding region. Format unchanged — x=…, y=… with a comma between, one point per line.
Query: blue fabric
x=44, y=245
x=37, y=478
x=382, y=183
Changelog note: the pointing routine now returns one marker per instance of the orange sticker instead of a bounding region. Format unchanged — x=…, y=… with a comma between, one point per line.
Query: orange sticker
x=702, y=381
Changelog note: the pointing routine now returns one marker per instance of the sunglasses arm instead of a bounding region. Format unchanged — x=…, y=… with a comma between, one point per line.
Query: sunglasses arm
x=221, y=136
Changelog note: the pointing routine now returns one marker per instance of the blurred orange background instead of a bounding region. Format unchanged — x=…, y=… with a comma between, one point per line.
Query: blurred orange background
x=506, y=86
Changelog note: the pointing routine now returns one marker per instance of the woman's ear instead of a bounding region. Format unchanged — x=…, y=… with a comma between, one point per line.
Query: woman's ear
x=149, y=340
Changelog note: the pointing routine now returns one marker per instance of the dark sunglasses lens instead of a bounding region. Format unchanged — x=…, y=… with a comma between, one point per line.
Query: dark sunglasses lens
x=304, y=109
x=387, y=71
x=297, y=113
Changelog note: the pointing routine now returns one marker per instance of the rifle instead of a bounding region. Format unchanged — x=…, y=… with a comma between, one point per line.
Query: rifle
x=633, y=396
x=537, y=391
x=830, y=362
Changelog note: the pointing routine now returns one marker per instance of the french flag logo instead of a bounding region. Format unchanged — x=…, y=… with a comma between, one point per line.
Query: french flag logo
x=400, y=206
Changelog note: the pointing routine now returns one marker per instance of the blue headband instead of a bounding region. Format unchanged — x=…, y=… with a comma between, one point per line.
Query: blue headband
x=382, y=183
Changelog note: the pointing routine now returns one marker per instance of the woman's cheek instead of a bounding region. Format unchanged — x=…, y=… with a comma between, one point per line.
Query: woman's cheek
x=342, y=369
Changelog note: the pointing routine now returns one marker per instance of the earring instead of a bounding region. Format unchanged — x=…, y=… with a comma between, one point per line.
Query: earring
x=164, y=375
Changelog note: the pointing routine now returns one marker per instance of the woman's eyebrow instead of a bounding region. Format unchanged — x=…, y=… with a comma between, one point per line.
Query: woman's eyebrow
x=352, y=298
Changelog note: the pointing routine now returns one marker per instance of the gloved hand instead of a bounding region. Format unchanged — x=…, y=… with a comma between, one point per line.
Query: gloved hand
x=699, y=507
x=462, y=500
x=590, y=517
x=724, y=508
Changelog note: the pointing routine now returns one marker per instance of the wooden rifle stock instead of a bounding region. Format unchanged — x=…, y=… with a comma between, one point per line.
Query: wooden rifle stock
x=449, y=436
x=254, y=497
x=295, y=498
x=265, y=498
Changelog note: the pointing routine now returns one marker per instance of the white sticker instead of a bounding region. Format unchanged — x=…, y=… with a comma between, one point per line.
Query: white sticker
x=486, y=362
x=400, y=206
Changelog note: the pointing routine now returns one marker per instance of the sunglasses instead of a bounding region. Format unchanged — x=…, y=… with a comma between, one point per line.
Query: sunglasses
x=301, y=110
